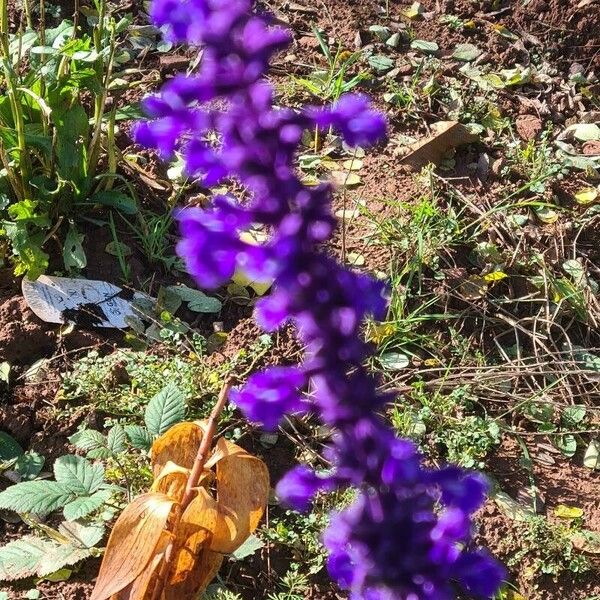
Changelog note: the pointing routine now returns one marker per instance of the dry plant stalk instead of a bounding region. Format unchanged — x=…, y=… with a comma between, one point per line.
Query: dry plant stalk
x=169, y=543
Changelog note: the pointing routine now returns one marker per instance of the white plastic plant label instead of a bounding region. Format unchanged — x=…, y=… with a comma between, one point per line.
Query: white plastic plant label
x=81, y=301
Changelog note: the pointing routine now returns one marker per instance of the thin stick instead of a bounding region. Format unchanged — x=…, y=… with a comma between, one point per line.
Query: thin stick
x=205, y=446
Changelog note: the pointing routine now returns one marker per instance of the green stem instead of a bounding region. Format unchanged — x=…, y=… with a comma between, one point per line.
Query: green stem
x=100, y=101
x=16, y=106
x=28, y=14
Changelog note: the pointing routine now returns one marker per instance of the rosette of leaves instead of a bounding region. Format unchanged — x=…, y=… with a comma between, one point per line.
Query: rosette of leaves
x=169, y=543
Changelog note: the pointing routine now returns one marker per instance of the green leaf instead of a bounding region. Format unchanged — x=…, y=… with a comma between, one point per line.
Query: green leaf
x=84, y=505
x=22, y=558
x=29, y=465
x=425, y=46
x=139, y=436
x=72, y=133
x=381, y=63
x=38, y=497
x=466, y=52
x=33, y=556
x=573, y=415
x=118, y=200
x=249, y=547
x=394, y=361
x=9, y=447
x=197, y=301
x=586, y=132
x=591, y=459
x=117, y=439
x=129, y=112
x=73, y=252
x=165, y=410
x=83, y=535
x=78, y=474
x=567, y=444
x=88, y=439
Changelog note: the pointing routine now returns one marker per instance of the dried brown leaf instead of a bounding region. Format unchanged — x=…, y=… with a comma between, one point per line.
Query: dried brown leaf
x=178, y=445
x=447, y=135
x=171, y=481
x=137, y=537
x=143, y=587
x=242, y=493
x=194, y=566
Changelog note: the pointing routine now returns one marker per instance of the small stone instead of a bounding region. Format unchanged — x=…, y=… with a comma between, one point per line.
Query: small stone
x=528, y=127
x=308, y=41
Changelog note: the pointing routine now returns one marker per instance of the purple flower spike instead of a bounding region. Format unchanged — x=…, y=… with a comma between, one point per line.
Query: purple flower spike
x=408, y=534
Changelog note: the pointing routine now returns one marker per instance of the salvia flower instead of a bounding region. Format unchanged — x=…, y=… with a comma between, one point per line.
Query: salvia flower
x=407, y=535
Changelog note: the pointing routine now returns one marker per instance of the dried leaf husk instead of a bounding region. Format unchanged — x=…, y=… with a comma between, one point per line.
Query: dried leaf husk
x=137, y=537
x=242, y=494
x=178, y=445
x=171, y=481
x=194, y=565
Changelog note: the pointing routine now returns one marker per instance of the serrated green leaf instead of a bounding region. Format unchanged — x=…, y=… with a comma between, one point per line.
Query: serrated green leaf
x=84, y=505
x=88, y=439
x=82, y=535
x=139, y=437
x=58, y=556
x=38, y=497
x=21, y=558
x=165, y=410
x=9, y=447
x=78, y=474
x=117, y=439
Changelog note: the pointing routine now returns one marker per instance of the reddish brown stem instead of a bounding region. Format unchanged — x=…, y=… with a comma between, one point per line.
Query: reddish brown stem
x=205, y=447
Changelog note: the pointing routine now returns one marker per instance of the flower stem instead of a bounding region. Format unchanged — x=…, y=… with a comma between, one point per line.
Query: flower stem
x=205, y=446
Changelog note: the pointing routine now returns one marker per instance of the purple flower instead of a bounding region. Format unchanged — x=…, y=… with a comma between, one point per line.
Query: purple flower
x=407, y=534
x=299, y=486
x=353, y=117
x=269, y=395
